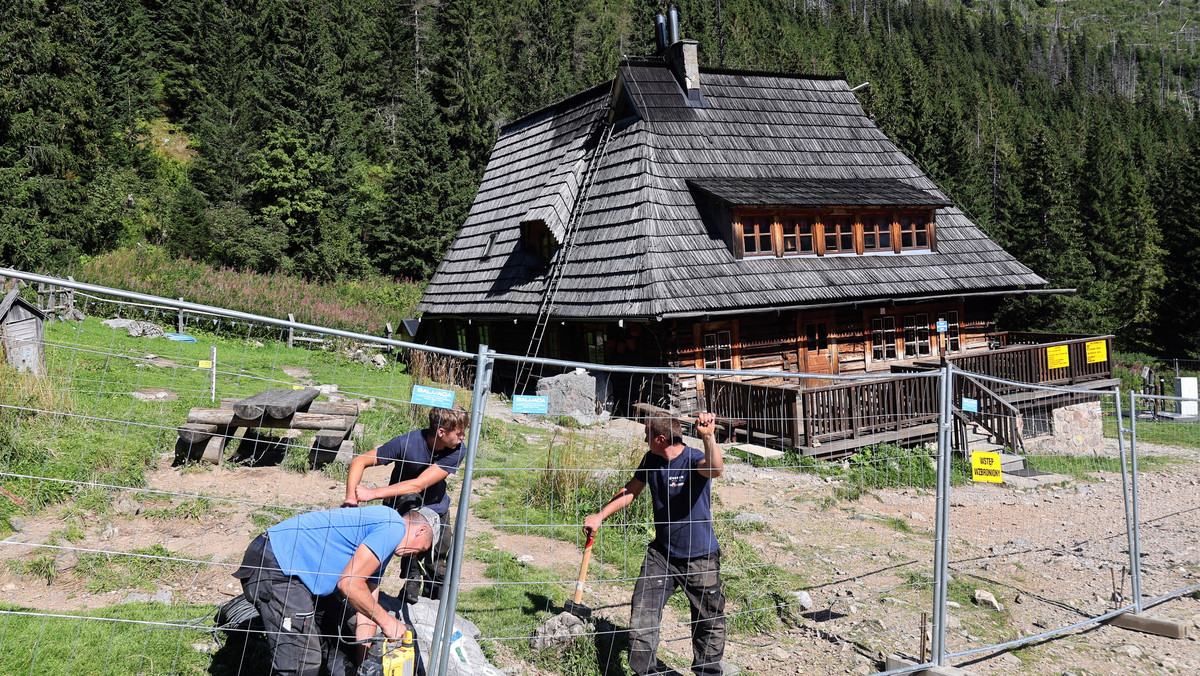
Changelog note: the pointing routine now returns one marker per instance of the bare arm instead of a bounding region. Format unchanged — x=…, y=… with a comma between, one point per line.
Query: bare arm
x=354, y=475
x=431, y=475
x=361, y=593
x=713, y=464
x=620, y=501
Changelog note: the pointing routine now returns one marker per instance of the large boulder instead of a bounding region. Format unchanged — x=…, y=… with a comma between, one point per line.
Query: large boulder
x=575, y=394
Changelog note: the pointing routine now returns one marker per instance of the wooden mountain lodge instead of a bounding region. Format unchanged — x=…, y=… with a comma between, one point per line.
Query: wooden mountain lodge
x=682, y=216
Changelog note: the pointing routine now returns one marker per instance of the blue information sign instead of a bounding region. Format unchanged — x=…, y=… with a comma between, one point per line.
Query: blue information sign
x=941, y=326
x=524, y=403
x=431, y=396
x=970, y=405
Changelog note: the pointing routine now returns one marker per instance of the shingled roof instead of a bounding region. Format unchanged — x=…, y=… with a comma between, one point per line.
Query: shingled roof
x=643, y=249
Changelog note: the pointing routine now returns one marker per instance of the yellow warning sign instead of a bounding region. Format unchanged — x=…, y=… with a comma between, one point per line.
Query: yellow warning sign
x=1097, y=351
x=205, y=364
x=1058, y=356
x=986, y=467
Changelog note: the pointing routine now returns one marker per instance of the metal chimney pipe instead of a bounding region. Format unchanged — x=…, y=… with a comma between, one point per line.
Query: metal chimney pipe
x=660, y=31
x=672, y=25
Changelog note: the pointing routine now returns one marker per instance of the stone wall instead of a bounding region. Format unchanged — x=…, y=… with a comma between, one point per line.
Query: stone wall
x=1078, y=430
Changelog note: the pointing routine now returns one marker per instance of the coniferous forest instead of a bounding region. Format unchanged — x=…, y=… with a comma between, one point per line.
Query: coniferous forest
x=345, y=138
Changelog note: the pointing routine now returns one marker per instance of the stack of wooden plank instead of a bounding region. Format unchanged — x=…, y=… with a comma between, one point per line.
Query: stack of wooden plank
x=208, y=430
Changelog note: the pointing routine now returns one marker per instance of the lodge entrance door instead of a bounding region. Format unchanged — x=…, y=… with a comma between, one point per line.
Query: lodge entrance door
x=815, y=352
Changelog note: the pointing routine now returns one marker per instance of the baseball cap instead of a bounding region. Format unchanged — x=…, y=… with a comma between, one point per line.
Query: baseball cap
x=435, y=525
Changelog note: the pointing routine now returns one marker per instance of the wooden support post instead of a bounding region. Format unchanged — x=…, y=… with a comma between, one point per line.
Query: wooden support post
x=213, y=381
x=179, y=319
x=291, y=331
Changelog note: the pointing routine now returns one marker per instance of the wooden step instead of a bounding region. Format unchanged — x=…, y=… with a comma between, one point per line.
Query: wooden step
x=843, y=447
x=760, y=451
x=1010, y=462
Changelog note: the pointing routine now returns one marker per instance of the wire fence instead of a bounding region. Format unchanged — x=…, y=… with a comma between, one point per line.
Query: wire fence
x=1167, y=461
x=850, y=527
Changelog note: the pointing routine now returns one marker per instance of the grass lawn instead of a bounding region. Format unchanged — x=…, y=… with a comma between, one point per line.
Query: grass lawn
x=103, y=435
x=125, y=639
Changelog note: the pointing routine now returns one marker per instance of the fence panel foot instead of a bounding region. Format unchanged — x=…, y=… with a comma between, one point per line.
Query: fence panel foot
x=1150, y=624
x=898, y=661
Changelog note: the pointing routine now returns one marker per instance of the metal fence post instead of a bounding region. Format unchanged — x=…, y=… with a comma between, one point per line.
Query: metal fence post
x=941, y=552
x=439, y=649
x=1135, y=553
x=1129, y=521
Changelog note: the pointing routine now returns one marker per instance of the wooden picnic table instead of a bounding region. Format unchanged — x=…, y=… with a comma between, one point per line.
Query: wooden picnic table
x=208, y=430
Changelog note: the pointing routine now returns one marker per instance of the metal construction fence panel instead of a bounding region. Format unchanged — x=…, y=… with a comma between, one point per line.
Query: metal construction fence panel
x=1166, y=443
x=1043, y=544
x=840, y=551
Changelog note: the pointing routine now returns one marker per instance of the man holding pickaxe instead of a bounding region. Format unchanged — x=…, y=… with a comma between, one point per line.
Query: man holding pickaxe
x=684, y=552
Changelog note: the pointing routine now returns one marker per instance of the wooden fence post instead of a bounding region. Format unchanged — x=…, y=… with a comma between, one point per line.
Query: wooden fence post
x=291, y=331
x=179, y=319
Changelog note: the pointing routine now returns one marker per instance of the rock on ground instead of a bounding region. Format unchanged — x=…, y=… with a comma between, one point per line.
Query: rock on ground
x=135, y=328
x=557, y=632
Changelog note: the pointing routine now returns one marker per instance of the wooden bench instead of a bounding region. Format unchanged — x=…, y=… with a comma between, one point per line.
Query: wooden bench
x=208, y=430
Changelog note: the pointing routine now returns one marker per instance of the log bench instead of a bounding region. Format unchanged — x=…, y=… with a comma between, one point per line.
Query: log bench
x=208, y=430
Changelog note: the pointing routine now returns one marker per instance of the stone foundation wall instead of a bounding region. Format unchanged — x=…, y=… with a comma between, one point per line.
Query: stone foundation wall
x=1078, y=430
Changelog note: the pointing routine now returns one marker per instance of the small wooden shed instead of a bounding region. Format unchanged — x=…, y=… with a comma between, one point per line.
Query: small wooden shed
x=22, y=338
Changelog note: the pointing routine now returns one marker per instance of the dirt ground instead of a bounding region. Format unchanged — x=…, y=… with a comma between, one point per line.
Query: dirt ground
x=1052, y=556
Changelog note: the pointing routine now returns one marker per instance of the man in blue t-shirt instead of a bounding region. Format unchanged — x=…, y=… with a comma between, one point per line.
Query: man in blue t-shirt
x=302, y=573
x=684, y=552
x=421, y=459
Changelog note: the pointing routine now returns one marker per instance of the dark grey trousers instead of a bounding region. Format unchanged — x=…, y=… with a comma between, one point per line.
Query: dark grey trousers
x=303, y=630
x=700, y=579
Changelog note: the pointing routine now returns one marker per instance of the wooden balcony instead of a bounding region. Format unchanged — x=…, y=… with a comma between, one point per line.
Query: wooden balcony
x=828, y=418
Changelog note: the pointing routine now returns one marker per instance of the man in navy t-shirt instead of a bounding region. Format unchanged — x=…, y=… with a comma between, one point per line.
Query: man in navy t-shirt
x=302, y=572
x=421, y=460
x=684, y=552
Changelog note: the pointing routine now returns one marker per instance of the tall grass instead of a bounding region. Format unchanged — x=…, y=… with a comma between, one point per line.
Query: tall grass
x=358, y=305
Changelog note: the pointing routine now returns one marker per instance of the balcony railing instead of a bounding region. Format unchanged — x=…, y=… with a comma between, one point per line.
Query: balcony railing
x=862, y=412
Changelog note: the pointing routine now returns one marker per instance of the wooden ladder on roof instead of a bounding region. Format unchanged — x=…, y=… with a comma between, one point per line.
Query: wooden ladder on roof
x=559, y=264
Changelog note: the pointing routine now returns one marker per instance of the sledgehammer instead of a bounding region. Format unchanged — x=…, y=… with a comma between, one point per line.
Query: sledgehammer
x=575, y=607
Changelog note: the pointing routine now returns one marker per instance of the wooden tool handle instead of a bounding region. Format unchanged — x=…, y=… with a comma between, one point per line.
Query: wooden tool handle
x=587, y=557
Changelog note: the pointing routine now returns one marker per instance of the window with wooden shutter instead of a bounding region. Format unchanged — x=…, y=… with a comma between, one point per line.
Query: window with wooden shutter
x=797, y=236
x=914, y=232
x=877, y=233
x=756, y=236
x=809, y=232
x=839, y=235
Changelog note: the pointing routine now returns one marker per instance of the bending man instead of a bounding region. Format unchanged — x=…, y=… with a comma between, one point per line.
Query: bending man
x=302, y=572
x=684, y=552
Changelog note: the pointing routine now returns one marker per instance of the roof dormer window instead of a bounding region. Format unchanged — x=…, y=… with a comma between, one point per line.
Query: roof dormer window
x=785, y=233
x=780, y=217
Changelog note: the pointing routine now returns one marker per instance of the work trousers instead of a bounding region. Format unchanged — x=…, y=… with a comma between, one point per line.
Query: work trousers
x=303, y=630
x=700, y=579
